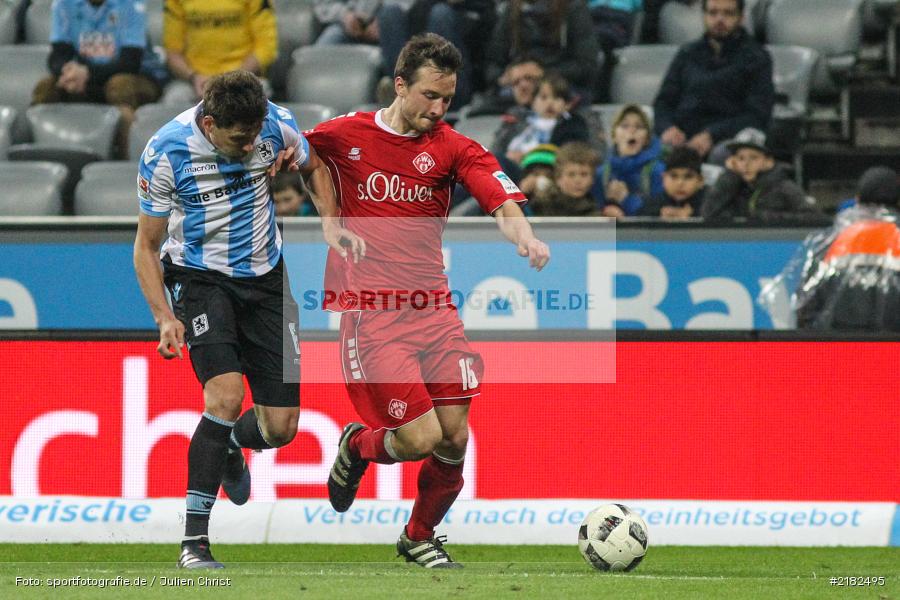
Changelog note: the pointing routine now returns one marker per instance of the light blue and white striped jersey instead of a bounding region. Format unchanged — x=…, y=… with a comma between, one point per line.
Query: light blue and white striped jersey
x=221, y=213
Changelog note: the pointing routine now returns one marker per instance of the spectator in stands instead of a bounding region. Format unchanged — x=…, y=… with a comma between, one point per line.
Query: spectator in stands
x=548, y=121
x=348, y=21
x=614, y=24
x=203, y=38
x=569, y=195
x=291, y=197
x=463, y=22
x=753, y=185
x=852, y=283
x=515, y=88
x=717, y=85
x=537, y=170
x=555, y=34
x=632, y=173
x=98, y=55
x=683, y=190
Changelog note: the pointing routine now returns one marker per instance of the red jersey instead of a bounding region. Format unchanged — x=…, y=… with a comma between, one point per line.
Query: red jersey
x=378, y=172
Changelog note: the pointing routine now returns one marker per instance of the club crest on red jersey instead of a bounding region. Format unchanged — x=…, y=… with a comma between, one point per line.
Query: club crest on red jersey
x=423, y=163
x=397, y=408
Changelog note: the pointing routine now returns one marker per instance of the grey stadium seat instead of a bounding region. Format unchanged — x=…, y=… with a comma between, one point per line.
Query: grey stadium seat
x=481, y=128
x=831, y=27
x=680, y=23
x=61, y=125
x=21, y=67
x=38, y=22
x=297, y=27
x=792, y=71
x=74, y=158
x=107, y=189
x=339, y=76
x=154, y=21
x=639, y=72
x=148, y=119
x=31, y=188
x=309, y=115
x=8, y=23
x=7, y=118
x=608, y=112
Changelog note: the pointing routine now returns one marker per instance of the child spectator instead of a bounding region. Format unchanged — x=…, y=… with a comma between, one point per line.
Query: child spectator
x=548, y=121
x=632, y=174
x=683, y=188
x=753, y=185
x=570, y=193
x=291, y=199
x=537, y=170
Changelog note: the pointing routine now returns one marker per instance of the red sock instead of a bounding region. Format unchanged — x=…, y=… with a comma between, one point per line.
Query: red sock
x=439, y=485
x=369, y=445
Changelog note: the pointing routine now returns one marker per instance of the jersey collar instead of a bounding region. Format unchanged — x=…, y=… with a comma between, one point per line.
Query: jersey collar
x=379, y=120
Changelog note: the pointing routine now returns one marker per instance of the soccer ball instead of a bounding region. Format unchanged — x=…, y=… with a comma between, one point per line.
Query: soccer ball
x=613, y=538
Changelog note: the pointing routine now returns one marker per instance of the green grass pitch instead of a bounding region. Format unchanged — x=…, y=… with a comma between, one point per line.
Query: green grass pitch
x=263, y=572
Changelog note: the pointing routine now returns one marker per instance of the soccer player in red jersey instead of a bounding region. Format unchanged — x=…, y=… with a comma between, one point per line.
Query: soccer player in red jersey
x=410, y=371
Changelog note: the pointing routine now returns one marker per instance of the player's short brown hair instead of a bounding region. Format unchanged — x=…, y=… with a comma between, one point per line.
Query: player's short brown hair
x=235, y=98
x=577, y=153
x=427, y=49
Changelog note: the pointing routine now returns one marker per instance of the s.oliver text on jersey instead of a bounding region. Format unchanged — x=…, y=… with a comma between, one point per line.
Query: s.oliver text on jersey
x=380, y=187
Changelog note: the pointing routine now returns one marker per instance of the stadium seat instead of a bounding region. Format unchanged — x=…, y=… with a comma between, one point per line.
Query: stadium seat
x=680, y=23
x=21, y=67
x=297, y=27
x=792, y=71
x=339, y=76
x=309, y=115
x=89, y=125
x=107, y=189
x=154, y=21
x=800, y=23
x=607, y=112
x=31, y=188
x=8, y=23
x=38, y=22
x=7, y=118
x=74, y=159
x=148, y=119
x=481, y=128
x=639, y=72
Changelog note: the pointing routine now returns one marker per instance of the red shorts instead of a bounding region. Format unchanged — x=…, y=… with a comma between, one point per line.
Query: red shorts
x=398, y=364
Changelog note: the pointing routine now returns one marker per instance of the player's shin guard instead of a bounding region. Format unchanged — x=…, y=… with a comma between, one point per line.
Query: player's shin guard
x=374, y=446
x=206, y=461
x=440, y=482
x=247, y=433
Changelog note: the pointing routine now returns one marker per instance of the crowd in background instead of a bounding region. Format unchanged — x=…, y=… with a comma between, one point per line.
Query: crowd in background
x=541, y=63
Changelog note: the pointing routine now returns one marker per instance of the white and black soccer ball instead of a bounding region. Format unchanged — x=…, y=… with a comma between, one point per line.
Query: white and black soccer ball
x=613, y=538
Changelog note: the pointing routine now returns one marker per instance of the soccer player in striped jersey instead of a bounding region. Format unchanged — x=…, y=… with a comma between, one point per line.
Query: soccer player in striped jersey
x=204, y=186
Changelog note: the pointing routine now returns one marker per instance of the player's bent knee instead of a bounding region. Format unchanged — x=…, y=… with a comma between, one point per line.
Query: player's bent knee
x=279, y=435
x=456, y=440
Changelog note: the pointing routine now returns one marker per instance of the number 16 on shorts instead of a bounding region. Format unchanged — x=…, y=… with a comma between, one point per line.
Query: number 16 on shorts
x=469, y=380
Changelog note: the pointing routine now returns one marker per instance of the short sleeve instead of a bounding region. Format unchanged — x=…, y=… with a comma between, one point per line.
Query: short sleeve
x=291, y=136
x=155, y=182
x=480, y=172
x=61, y=26
x=134, y=26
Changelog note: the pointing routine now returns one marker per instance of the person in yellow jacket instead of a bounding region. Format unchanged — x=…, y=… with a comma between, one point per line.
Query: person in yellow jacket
x=203, y=38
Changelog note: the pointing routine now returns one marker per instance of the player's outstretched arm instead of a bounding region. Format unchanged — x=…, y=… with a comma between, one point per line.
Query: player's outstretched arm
x=324, y=198
x=513, y=224
x=150, y=234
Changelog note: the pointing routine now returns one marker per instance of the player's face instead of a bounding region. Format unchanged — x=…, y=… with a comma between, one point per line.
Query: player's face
x=426, y=101
x=721, y=18
x=233, y=142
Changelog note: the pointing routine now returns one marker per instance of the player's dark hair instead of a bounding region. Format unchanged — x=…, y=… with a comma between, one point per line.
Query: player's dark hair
x=740, y=5
x=427, y=49
x=235, y=98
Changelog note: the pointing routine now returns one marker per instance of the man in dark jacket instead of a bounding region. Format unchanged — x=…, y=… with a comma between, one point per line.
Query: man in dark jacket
x=717, y=85
x=754, y=186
